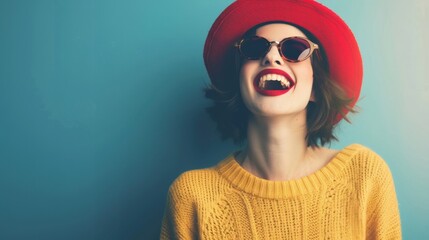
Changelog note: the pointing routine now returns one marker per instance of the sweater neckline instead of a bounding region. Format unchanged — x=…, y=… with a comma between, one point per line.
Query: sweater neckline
x=243, y=180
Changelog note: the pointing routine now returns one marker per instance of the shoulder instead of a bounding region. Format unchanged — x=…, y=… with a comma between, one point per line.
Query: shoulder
x=193, y=184
x=364, y=154
x=364, y=160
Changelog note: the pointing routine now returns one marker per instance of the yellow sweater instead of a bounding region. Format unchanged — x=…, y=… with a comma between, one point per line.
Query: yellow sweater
x=352, y=197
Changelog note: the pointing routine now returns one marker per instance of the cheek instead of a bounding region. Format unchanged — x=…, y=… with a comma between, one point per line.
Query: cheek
x=247, y=72
x=244, y=87
x=304, y=74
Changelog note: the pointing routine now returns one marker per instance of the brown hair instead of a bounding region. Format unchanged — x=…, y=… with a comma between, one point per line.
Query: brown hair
x=231, y=115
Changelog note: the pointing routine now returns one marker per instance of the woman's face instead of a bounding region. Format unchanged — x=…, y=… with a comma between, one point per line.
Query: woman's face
x=255, y=75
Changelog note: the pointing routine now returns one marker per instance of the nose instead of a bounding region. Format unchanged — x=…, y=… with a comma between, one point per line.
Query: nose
x=273, y=56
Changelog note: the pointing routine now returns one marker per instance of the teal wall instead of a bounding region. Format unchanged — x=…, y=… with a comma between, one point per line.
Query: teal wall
x=101, y=107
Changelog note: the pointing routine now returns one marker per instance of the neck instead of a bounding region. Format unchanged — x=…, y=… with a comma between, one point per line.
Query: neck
x=277, y=149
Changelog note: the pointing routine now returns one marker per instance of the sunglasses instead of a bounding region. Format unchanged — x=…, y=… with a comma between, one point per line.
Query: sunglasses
x=292, y=49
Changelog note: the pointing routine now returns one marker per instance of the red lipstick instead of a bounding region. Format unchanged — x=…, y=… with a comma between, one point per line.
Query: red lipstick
x=267, y=92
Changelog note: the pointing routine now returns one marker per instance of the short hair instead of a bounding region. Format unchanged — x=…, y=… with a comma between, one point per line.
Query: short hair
x=231, y=115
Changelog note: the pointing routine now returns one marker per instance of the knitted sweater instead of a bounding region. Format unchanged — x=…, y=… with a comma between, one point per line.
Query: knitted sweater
x=351, y=197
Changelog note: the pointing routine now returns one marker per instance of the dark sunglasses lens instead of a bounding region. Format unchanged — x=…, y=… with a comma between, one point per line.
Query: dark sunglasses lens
x=295, y=49
x=254, y=48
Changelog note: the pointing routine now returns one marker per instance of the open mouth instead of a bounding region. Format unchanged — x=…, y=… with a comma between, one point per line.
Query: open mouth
x=273, y=82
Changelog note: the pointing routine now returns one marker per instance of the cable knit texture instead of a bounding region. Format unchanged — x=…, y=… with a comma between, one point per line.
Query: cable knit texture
x=351, y=197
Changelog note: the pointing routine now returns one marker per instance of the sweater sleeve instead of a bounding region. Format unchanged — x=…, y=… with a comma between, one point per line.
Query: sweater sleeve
x=178, y=221
x=383, y=220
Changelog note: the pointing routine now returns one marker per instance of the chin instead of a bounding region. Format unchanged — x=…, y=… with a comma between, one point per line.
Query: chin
x=273, y=113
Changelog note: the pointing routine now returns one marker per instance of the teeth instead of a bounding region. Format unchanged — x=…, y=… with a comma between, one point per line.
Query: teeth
x=287, y=83
x=273, y=77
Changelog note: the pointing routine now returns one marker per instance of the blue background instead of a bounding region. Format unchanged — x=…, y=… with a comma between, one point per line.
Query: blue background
x=101, y=107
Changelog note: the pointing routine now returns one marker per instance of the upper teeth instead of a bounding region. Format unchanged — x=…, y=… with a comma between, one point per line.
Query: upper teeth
x=274, y=77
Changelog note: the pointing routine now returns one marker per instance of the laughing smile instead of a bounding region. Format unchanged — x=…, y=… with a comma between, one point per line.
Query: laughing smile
x=273, y=82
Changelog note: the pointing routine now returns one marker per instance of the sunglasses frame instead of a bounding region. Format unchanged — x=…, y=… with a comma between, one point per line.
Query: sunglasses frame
x=312, y=45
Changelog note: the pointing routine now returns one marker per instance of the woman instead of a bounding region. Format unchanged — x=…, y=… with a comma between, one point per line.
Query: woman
x=283, y=73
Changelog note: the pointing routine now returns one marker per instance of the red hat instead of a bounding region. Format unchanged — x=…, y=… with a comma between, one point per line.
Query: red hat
x=335, y=37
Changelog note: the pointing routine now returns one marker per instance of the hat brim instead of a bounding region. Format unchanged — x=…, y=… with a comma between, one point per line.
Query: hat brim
x=335, y=37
